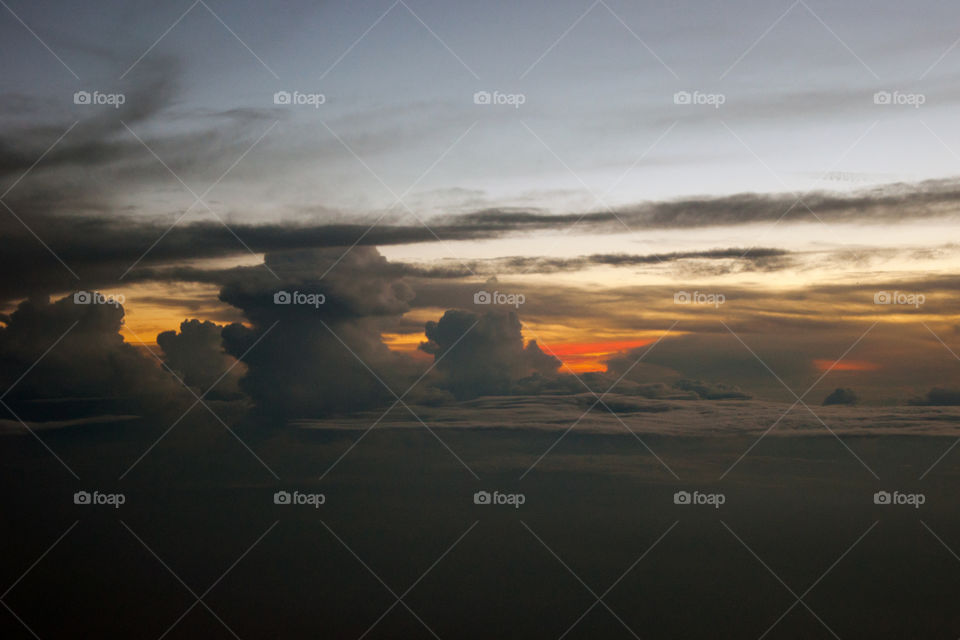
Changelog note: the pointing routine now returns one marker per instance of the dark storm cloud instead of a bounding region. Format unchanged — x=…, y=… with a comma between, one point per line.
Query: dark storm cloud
x=887, y=204
x=758, y=259
x=100, y=249
x=300, y=367
x=939, y=397
x=483, y=354
x=841, y=396
x=312, y=358
x=196, y=356
x=87, y=356
x=65, y=182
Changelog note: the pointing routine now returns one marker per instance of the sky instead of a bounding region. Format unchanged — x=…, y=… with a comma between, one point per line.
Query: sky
x=288, y=286
x=598, y=117
x=760, y=195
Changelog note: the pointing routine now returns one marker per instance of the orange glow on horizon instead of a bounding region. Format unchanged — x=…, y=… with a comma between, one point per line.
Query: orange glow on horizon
x=583, y=357
x=845, y=365
x=580, y=357
x=408, y=343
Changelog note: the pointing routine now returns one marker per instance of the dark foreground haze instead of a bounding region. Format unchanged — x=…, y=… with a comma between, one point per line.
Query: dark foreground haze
x=598, y=519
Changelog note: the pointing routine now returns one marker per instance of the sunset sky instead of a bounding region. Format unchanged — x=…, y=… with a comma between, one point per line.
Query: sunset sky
x=446, y=319
x=794, y=159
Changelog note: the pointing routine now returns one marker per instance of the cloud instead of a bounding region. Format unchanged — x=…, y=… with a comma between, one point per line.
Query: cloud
x=893, y=203
x=81, y=173
x=667, y=417
x=841, y=396
x=639, y=376
x=312, y=359
x=755, y=259
x=939, y=397
x=483, y=354
x=67, y=350
x=711, y=390
x=197, y=357
x=15, y=428
x=100, y=248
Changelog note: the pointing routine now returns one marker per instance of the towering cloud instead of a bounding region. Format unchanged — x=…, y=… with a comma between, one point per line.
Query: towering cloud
x=196, y=355
x=483, y=354
x=314, y=341
x=62, y=349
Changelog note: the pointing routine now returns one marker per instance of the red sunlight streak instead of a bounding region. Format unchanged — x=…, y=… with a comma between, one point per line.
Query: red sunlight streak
x=584, y=357
x=845, y=365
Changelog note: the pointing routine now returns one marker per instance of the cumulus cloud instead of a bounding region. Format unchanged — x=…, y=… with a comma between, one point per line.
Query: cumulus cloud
x=68, y=350
x=841, y=396
x=483, y=354
x=939, y=397
x=315, y=358
x=197, y=357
